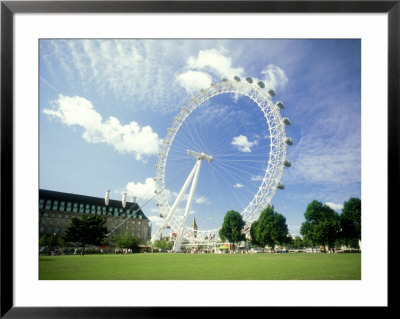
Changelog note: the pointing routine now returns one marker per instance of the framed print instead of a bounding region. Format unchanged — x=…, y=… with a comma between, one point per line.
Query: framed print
x=290, y=108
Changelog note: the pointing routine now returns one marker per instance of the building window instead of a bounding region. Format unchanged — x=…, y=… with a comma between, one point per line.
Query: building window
x=69, y=206
x=62, y=206
x=81, y=208
x=66, y=216
x=56, y=230
x=41, y=229
x=49, y=230
x=48, y=204
x=41, y=203
x=55, y=205
x=43, y=222
x=87, y=209
x=45, y=215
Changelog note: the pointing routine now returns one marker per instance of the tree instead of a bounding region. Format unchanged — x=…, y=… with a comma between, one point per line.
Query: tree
x=43, y=240
x=127, y=241
x=298, y=243
x=253, y=231
x=51, y=241
x=170, y=245
x=163, y=244
x=270, y=229
x=322, y=225
x=88, y=230
x=232, y=228
x=350, y=221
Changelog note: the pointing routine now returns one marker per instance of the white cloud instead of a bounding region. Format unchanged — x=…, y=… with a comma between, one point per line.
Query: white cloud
x=329, y=149
x=208, y=63
x=274, y=77
x=138, y=71
x=201, y=200
x=237, y=185
x=129, y=138
x=194, y=81
x=156, y=222
x=144, y=190
x=214, y=61
x=219, y=64
x=243, y=144
x=198, y=200
x=143, y=71
x=334, y=206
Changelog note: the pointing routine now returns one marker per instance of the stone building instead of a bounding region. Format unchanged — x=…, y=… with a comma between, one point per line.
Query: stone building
x=56, y=209
x=193, y=228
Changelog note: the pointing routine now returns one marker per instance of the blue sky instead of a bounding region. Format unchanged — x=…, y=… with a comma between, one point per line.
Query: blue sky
x=106, y=105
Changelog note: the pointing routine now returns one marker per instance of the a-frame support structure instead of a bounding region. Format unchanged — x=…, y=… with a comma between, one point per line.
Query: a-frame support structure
x=193, y=177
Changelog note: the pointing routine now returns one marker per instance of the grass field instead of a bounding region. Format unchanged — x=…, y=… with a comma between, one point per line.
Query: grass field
x=164, y=266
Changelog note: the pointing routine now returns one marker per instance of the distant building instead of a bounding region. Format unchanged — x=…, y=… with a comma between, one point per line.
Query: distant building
x=56, y=210
x=193, y=228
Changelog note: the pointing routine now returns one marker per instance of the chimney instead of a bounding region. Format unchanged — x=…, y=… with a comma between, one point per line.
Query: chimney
x=107, y=198
x=133, y=199
x=124, y=200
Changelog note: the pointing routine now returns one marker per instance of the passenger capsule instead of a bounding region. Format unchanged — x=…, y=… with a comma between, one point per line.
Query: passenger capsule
x=261, y=84
x=280, y=186
x=236, y=78
x=289, y=141
x=271, y=92
x=280, y=105
x=287, y=163
x=250, y=80
x=286, y=121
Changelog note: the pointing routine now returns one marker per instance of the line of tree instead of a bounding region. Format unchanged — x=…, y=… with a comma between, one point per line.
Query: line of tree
x=127, y=241
x=90, y=230
x=325, y=227
x=322, y=227
x=163, y=244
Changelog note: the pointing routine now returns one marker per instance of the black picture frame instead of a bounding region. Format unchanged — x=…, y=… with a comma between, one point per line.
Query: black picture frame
x=9, y=8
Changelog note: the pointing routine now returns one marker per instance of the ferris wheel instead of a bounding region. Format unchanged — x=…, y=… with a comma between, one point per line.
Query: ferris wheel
x=234, y=132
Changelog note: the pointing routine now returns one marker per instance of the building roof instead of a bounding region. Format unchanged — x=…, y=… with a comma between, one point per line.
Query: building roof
x=97, y=201
x=194, y=225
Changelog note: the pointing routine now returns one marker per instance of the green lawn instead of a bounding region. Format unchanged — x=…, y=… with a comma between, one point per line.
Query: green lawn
x=162, y=266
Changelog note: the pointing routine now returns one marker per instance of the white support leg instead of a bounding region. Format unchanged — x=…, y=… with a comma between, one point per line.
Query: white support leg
x=194, y=174
x=178, y=241
x=157, y=236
